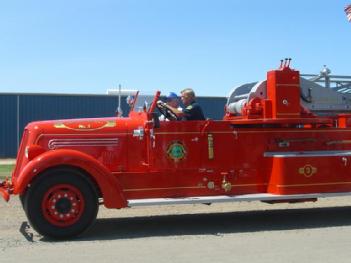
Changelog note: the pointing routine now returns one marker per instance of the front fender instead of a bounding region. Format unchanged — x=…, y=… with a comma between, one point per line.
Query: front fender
x=109, y=185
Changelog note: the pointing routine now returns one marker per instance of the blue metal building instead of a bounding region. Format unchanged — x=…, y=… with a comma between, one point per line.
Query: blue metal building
x=16, y=110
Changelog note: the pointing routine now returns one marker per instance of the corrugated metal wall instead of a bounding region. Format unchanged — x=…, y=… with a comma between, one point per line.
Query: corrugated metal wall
x=16, y=110
x=8, y=131
x=213, y=107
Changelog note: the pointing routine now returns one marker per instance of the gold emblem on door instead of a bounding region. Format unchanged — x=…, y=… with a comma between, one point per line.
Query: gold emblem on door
x=307, y=170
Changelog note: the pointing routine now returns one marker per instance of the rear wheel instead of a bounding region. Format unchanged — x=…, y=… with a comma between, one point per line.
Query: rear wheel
x=61, y=203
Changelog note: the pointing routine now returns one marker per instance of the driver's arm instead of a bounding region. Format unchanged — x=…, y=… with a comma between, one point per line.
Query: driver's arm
x=179, y=113
x=175, y=110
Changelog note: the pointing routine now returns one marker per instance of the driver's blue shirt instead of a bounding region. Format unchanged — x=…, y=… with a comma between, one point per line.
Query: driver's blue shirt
x=193, y=112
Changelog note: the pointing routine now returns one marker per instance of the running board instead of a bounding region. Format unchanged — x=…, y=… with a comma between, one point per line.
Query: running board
x=227, y=198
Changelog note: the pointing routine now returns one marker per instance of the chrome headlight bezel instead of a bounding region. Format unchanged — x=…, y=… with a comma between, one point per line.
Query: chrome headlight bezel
x=26, y=151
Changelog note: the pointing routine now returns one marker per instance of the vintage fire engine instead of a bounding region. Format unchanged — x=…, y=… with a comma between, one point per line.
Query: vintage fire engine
x=270, y=146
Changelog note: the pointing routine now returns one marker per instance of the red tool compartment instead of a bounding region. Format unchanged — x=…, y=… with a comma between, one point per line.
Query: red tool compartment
x=310, y=172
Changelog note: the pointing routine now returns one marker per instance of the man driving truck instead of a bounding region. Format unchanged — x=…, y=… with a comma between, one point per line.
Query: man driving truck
x=192, y=110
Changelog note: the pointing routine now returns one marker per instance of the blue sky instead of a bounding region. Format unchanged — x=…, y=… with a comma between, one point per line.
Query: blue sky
x=89, y=46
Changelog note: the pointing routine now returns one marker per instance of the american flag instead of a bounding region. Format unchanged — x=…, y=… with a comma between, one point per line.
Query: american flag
x=348, y=12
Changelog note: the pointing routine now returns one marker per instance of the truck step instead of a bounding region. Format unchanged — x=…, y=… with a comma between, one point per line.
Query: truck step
x=227, y=198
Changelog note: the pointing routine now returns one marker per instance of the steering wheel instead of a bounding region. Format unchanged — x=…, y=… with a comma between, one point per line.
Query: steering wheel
x=168, y=113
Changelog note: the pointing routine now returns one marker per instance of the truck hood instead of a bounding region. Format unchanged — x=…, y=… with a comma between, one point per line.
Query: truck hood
x=76, y=125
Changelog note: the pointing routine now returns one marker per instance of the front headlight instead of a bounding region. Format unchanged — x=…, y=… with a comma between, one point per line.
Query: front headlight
x=26, y=150
x=33, y=151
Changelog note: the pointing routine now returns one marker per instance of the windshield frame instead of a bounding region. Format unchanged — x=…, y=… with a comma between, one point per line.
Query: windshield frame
x=144, y=103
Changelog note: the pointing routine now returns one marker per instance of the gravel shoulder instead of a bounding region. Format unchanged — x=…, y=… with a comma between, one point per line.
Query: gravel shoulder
x=231, y=232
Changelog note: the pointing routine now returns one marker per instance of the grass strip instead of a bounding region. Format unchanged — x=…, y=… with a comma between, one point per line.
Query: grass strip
x=6, y=170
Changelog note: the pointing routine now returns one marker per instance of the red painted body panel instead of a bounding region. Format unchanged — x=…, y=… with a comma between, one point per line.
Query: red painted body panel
x=295, y=175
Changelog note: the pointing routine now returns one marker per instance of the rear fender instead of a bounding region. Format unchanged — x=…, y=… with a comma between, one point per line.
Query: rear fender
x=109, y=185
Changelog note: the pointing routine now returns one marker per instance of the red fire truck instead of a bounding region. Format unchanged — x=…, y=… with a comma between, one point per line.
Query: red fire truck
x=269, y=147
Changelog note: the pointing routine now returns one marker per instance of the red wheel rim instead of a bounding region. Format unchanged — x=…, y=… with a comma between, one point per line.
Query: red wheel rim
x=63, y=205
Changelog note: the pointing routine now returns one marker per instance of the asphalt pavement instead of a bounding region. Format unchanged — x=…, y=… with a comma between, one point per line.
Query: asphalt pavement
x=231, y=232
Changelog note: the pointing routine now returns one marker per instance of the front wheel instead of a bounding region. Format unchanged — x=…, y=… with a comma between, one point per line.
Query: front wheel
x=61, y=203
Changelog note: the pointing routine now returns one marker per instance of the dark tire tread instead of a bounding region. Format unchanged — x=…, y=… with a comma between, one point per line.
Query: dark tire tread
x=35, y=193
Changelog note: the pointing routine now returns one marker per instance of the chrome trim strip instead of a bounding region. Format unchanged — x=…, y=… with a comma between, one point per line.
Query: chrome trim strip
x=113, y=135
x=339, y=142
x=225, y=198
x=307, y=154
x=58, y=143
